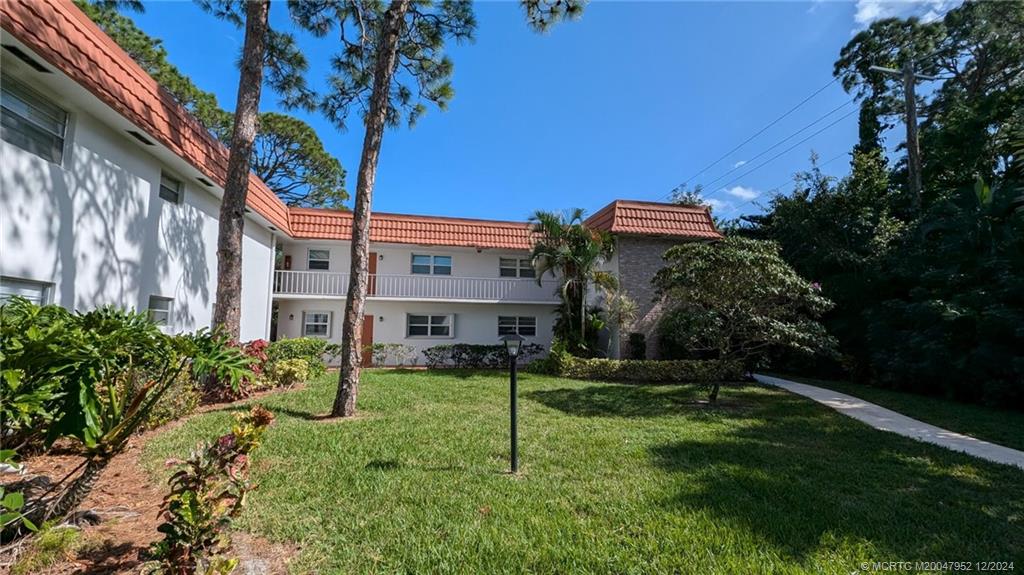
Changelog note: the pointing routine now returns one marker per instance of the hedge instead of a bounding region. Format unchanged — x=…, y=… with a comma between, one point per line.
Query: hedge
x=466, y=355
x=310, y=349
x=643, y=370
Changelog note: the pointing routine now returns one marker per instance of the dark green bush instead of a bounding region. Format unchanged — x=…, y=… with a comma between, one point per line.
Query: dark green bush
x=181, y=399
x=310, y=349
x=644, y=370
x=466, y=355
x=637, y=346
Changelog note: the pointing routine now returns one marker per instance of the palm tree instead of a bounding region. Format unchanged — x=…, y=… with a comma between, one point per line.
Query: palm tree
x=573, y=253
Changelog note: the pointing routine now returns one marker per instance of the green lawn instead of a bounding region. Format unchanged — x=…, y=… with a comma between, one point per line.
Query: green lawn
x=996, y=425
x=616, y=479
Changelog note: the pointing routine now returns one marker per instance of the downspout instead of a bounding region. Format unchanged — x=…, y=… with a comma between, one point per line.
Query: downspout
x=270, y=285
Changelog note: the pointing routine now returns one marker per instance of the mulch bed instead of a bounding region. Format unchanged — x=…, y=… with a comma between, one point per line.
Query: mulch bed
x=127, y=501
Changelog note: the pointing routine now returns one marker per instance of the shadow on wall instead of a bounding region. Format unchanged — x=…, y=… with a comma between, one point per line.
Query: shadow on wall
x=114, y=240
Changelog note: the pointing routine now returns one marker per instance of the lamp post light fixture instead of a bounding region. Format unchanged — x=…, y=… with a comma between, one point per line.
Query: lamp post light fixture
x=512, y=344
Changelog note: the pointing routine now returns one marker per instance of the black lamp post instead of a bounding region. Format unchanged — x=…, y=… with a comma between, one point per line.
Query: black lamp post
x=512, y=344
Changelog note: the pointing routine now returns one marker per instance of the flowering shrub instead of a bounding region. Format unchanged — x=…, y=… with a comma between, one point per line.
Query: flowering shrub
x=288, y=372
x=206, y=494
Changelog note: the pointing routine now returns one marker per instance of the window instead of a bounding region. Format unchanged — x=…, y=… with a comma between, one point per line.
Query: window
x=30, y=121
x=319, y=260
x=35, y=292
x=515, y=268
x=316, y=323
x=522, y=325
x=436, y=265
x=170, y=189
x=429, y=325
x=160, y=309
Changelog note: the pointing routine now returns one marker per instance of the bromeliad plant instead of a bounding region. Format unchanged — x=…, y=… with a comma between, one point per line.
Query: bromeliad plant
x=207, y=492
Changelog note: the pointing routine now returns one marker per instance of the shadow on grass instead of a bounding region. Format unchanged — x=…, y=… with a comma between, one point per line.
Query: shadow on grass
x=612, y=400
x=807, y=482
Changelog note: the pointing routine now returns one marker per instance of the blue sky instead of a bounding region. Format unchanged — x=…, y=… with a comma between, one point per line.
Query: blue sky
x=628, y=102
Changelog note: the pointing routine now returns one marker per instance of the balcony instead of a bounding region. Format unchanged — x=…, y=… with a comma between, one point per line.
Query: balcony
x=313, y=284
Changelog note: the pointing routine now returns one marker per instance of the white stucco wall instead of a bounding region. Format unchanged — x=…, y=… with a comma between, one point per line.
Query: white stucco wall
x=474, y=323
x=96, y=229
x=397, y=258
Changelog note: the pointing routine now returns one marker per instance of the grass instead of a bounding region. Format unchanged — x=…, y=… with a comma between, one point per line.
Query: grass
x=50, y=547
x=616, y=479
x=995, y=425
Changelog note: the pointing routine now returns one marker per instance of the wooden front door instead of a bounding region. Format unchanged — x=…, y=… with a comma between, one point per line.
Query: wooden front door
x=371, y=286
x=367, y=341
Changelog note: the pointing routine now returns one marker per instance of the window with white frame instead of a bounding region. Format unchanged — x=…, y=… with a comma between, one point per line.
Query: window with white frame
x=318, y=260
x=30, y=121
x=432, y=265
x=160, y=310
x=515, y=268
x=522, y=325
x=170, y=188
x=36, y=292
x=430, y=325
x=316, y=323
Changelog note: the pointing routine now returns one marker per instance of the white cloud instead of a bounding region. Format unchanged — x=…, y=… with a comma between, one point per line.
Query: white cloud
x=743, y=192
x=717, y=204
x=867, y=11
x=738, y=164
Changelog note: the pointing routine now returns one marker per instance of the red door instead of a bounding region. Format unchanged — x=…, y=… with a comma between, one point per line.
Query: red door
x=366, y=342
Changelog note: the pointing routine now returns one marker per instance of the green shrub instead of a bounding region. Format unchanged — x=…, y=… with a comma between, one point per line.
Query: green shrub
x=310, y=349
x=473, y=356
x=645, y=370
x=392, y=353
x=288, y=372
x=32, y=362
x=181, y=399
x=637, y=345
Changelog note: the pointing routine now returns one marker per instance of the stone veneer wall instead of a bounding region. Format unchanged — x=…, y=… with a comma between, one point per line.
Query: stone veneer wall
x=640, y=257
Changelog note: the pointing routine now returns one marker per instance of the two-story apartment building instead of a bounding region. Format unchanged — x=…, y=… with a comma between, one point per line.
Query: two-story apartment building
x=110, y=193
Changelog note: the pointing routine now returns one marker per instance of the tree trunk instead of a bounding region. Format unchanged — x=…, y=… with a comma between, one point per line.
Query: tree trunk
x=713, y=396
x=227, y=311
x=355, y=302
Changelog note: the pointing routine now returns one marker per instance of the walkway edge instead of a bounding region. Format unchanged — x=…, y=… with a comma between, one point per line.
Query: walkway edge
x=884, y=419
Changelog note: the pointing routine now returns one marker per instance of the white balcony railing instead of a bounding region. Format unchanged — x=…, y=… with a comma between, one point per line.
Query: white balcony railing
x=414, y=287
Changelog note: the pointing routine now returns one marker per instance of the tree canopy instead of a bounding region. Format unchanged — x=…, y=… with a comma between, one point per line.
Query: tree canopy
x=930, y=302
x=289, y=156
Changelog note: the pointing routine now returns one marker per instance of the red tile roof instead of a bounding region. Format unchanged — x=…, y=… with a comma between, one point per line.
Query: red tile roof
x=316, y=223
x=655, y=219
x=66, y=38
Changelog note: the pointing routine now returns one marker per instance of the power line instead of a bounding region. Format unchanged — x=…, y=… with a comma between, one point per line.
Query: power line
x=761, y=131
x=780, y=154
x=783, y=141
x=780, y=184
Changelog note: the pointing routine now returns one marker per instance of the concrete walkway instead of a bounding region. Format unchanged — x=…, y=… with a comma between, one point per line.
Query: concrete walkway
x=888, y=420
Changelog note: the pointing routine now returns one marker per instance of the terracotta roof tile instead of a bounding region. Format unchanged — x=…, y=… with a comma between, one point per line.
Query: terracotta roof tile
x=62, y=35
x=315, y=223
x=655, y=218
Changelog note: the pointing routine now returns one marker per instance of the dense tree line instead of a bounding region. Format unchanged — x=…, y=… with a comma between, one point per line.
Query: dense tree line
x=928, y=299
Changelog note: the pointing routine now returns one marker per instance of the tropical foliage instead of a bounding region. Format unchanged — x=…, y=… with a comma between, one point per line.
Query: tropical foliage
x=928, y=300
x=571, y=252
x=102, y=375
